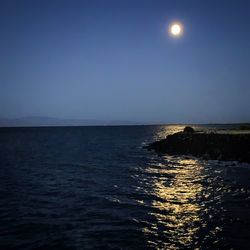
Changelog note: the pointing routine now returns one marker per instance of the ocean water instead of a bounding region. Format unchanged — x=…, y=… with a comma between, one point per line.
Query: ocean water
x=98, y=188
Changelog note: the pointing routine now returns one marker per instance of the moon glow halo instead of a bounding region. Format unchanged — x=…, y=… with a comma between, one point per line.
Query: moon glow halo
x=175, y=29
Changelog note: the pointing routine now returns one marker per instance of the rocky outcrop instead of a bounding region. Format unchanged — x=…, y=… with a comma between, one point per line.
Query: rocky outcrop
x=188, y=130
x=213, y=146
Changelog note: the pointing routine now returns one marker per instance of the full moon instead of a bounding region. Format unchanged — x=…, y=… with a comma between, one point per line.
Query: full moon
x=176, y=29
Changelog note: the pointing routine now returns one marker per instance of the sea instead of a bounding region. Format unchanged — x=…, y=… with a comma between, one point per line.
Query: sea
x=100, y=188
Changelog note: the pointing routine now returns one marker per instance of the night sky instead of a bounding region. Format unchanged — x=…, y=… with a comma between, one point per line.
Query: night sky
x=114, y=60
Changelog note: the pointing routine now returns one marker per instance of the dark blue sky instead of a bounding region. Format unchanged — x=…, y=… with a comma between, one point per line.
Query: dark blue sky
x=113, y=60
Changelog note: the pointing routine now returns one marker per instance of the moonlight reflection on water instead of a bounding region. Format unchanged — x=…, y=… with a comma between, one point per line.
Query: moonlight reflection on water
x=177, y=192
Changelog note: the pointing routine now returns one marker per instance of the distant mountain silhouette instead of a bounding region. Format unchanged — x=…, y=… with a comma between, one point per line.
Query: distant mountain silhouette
x=34, y=121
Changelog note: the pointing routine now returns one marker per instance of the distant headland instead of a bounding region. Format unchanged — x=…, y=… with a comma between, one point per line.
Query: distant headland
x=39, y=121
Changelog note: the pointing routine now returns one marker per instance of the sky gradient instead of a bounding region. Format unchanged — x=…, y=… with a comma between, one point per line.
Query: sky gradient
x=113, y=60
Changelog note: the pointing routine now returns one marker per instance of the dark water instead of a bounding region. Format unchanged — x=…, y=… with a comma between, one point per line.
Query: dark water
x=97, y=188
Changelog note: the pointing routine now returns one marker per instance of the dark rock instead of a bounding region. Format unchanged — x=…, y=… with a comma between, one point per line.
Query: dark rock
x=210, y=146
x=188, y=129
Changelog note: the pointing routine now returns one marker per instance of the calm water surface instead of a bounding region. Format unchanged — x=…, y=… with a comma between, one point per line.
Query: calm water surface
x=98, y=188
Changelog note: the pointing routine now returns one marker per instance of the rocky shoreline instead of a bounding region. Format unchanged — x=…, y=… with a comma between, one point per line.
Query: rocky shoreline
x=214, y=146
